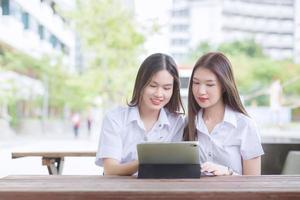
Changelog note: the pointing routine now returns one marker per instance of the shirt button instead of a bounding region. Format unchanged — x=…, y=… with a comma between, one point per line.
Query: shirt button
x=159, y=125
x=209, y=154
x=145, y=138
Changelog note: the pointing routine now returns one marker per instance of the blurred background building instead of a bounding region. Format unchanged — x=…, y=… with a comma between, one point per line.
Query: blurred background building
x=274, y=24
x=37, y=28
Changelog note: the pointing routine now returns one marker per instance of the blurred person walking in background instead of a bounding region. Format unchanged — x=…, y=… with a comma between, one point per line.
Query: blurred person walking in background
x=76, y=123
x=89, y=122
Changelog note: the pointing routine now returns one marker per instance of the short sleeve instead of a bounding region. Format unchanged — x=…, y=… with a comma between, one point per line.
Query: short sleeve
x=179, y=125
x=110, y=142
x=251, y=143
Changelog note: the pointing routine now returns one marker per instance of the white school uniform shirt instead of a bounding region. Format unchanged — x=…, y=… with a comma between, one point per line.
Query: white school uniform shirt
x=233, y=140
x=123, y=129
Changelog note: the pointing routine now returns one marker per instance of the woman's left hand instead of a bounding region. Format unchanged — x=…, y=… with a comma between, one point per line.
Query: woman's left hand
x=218, y=170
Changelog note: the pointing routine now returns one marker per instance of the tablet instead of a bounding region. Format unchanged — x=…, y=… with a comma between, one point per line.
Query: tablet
x=168, y=153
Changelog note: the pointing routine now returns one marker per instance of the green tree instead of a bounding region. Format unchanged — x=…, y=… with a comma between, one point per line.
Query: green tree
x=63, y=88
x=110, y=38
x=255, y=71
x=195, y=53
x=247, y=47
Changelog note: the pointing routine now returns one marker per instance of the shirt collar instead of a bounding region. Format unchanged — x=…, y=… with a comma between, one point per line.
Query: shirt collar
x=134, y=115
x=229, y=117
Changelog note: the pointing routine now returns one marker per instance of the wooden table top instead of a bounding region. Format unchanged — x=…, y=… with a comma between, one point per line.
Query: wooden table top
x=53, y=154
x=99, y=187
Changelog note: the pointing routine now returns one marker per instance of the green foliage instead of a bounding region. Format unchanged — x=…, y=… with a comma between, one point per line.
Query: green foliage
x=247, y=47
x=54, y=77
x=108, y=33
x=22, y=63
x=237, y=48
x=199, y=50
x=254, y=72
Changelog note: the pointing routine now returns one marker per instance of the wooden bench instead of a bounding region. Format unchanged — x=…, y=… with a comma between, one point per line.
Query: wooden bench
x=99, y=187
x=54, y=160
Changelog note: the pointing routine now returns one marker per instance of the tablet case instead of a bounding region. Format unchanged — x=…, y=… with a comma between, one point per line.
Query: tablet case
x=169, y=171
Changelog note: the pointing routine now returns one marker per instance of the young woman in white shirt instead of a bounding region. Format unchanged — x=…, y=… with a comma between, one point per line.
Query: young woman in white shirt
x=152, y=115
x=228, y=138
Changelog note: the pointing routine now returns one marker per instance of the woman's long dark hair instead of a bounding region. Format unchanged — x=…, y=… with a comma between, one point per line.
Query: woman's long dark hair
x=151, y=65
x=219, y=64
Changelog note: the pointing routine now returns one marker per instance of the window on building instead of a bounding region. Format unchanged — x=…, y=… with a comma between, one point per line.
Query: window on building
x=179, y=42
x=41, y=31
x=53, y=41
x=53, y=7
x=5, y=7
x=25, y=20
x=180, y=13
x=180, y=27
x=47, y=34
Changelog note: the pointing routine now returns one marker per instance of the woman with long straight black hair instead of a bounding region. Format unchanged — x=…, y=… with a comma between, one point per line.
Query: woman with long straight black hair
x=152, y=115
x=228, y=139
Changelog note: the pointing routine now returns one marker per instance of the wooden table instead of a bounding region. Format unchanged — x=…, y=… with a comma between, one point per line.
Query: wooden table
x=54, y=160
x=99, y=187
